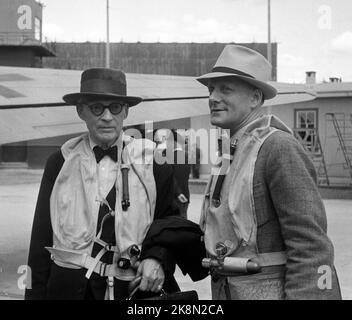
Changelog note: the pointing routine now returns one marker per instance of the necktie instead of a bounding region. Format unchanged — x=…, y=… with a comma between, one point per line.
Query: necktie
x=101, y=153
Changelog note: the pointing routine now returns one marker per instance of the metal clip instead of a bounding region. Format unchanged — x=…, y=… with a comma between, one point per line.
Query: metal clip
x=216, y=202
x=134, y=250
x=233, y=148
x=110, y=281
x=223, y=263
x=221, y=250
x=108, y=247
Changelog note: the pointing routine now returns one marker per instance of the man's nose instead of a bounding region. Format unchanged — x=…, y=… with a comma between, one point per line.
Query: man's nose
x=107, y=115
x=214, y=96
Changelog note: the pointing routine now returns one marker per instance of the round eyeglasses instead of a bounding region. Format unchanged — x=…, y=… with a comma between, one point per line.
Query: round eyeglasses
x=98, y=108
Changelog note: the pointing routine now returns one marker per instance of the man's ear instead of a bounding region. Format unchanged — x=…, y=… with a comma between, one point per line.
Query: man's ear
x=257, y=98
x=79, y=109
x=126, y=112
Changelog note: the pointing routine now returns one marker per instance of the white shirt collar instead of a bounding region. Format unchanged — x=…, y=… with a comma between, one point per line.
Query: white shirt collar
x=92, y=144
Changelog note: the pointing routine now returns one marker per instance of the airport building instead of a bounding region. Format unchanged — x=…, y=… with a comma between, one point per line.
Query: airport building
x=187, y=59
x=323, y=125
x=21, y=45
x=21, y=34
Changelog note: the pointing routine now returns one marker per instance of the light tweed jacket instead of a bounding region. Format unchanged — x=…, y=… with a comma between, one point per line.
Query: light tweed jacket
x=291, y=216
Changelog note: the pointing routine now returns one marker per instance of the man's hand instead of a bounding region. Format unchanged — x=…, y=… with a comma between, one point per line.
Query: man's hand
x=152, y=275
x=182, y=198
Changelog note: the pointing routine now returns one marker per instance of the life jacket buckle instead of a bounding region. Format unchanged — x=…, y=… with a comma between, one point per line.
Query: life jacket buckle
x=108, y=246
x=134, y=251
x=102, y=269
x=123, y=263
x=125, y=204
x=216, y=202
x=110, y=282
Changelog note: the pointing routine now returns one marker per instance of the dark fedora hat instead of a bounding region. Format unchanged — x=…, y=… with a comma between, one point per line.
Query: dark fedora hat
x=102, y=83
x=245, y=64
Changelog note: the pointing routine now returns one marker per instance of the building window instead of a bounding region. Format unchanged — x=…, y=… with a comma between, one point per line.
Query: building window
x=37, y=29
x=306, y=128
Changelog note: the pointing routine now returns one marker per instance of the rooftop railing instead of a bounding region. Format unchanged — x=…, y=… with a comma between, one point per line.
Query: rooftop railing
x=18, y=38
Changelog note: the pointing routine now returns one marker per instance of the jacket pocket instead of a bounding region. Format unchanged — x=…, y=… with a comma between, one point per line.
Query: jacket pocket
x=267, y=287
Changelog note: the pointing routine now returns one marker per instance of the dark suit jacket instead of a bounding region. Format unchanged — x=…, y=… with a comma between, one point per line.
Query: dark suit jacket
x=291, y=216
x=50, y=281
x=181, y=173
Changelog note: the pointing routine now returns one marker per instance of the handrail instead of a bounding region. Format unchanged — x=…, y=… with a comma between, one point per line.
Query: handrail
x=342, y=142
x=313, y=147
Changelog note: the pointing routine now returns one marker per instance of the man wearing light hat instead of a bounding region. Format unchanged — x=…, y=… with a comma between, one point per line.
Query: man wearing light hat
x=98, y=197
x=263, y=219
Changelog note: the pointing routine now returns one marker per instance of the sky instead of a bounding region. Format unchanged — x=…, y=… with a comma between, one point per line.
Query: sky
x=312, y=35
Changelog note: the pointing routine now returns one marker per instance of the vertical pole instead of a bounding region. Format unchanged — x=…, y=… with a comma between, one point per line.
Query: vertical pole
x=107, y=61
x=269, y=33
x=269, y=111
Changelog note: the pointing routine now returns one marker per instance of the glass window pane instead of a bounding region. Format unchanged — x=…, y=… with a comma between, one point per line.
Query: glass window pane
x=301, y=119
x=311, y=119
x=37, y=26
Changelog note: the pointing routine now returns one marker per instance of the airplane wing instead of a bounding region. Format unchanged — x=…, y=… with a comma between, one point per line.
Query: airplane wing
x=31, y=105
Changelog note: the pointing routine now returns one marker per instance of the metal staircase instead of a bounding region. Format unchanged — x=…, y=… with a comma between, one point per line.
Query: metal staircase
x=344, y=139
x=309, y=138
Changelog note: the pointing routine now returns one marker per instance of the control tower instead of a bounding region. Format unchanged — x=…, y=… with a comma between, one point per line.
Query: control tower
x=21, y=34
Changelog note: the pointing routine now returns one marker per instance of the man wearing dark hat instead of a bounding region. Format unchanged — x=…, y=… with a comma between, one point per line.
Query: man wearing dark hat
x=263, y=218
x=98, y=197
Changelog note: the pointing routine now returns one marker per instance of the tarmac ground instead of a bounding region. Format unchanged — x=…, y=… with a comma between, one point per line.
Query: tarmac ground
x=18, y=193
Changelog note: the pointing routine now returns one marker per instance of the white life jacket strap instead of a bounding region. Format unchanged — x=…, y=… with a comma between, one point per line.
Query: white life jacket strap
x=232, y=266
x=107, y=246
x=82, y=260
x=271, y=259
x=91, y=266
x=227, y=156
x=68, y=257
x=109, y=293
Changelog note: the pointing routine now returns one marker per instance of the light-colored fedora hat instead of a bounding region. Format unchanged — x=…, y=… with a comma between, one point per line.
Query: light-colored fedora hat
x=245, y=64
x=102, y=83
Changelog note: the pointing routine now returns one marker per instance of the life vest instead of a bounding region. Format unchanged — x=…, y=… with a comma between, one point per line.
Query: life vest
x=75, y=201
x=232, y=221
